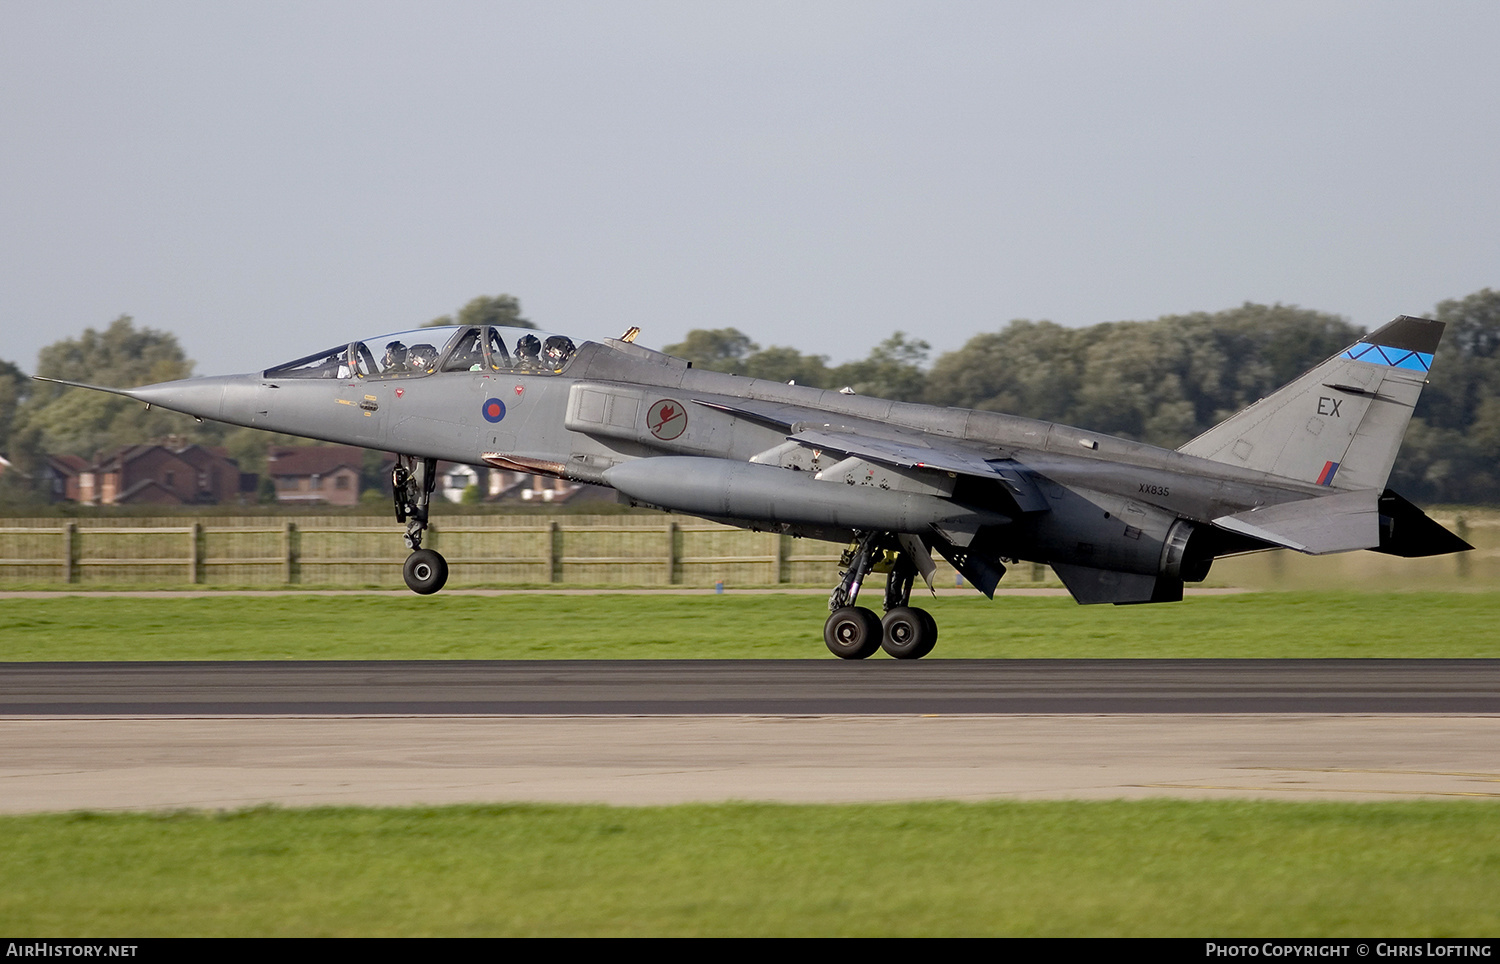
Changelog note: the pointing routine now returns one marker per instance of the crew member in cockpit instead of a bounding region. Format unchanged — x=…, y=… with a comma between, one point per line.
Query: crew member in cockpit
x=559, y=349
x=395, y=358
x=528, y=352
x=421, y=357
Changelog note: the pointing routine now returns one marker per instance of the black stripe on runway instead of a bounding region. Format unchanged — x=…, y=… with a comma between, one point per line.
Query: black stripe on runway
x=771, y=687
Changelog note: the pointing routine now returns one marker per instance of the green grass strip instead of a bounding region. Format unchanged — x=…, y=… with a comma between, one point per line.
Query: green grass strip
x=1155, y=867
x=1252, y=625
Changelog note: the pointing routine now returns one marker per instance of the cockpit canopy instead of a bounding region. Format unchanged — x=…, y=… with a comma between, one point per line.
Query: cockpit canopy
x=425, y=351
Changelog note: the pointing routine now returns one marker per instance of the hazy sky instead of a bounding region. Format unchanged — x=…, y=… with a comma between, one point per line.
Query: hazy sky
x=267, y=179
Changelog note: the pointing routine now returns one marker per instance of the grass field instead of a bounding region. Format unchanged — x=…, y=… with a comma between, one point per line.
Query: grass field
x=542, y=626
x=1161, y=868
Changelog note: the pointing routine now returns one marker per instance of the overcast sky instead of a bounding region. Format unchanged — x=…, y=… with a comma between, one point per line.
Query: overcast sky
x=266, y=179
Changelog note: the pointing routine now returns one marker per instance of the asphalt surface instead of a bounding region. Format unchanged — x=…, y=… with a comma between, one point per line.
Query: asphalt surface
x=739, y=687
x=137, y=735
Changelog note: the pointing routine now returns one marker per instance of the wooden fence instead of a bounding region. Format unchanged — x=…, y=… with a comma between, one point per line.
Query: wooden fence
x=591, y=550
x=344, y=551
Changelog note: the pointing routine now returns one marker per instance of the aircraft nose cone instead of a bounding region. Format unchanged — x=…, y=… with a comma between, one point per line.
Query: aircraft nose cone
x=202, y=397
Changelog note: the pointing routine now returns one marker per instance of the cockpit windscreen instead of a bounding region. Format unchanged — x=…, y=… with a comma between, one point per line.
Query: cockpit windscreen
x=440, y=349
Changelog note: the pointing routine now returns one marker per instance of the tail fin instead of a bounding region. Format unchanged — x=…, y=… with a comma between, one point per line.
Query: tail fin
x=1340, y=424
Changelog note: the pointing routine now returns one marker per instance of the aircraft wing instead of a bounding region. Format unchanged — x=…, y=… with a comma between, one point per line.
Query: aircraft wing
x=1330, y=523
x=867, y=439
x=775, y=414
x=910, y=455
x=904, y=454
x=907, y=450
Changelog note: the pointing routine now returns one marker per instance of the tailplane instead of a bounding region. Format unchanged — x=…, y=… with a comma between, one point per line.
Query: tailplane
x=1339, y=425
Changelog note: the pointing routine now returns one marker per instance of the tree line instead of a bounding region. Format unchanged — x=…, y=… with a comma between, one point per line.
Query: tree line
x=1161, y=381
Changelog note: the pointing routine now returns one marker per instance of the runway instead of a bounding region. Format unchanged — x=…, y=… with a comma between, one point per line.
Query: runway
x=779, y=687
x=224, y=735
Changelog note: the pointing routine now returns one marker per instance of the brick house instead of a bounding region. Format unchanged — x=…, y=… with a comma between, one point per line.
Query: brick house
x=316, y=473
x=60, y=475
x=159, y=475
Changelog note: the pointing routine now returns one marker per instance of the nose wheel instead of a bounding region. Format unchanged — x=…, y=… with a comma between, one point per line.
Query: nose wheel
x=425, y=571
x=854, y=632
x=412, y=482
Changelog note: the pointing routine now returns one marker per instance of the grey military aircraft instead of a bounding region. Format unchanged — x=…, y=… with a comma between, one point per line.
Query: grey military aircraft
x=1119, y=521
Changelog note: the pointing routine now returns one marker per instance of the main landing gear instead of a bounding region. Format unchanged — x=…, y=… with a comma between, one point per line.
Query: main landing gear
x=853, y=632
x=412, y=482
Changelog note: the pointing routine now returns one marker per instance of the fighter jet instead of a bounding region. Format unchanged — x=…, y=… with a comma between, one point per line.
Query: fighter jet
x=1118, y=521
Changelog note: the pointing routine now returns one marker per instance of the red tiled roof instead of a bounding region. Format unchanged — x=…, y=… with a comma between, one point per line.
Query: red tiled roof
x=72, y=464
x=148, y=490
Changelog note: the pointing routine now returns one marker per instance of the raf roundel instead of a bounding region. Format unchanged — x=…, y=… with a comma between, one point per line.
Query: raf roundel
x=666, y=419
x=493, y=410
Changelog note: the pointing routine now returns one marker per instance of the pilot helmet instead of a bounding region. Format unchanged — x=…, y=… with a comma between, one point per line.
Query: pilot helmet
x=395, y=354
x=528, y=346
x=559, y=350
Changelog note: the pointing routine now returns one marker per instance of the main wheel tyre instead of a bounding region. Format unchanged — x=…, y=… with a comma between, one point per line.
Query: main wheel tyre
x=931, y=629
x=425, y=571
x=908, y=633
x=852, y=632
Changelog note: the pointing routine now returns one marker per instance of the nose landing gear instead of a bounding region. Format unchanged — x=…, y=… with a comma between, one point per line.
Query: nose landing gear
x=412, y=482
x=853, y=632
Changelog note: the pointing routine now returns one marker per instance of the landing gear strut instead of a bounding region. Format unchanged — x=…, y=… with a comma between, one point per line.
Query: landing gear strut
x=412, y=482
x=853, y=632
